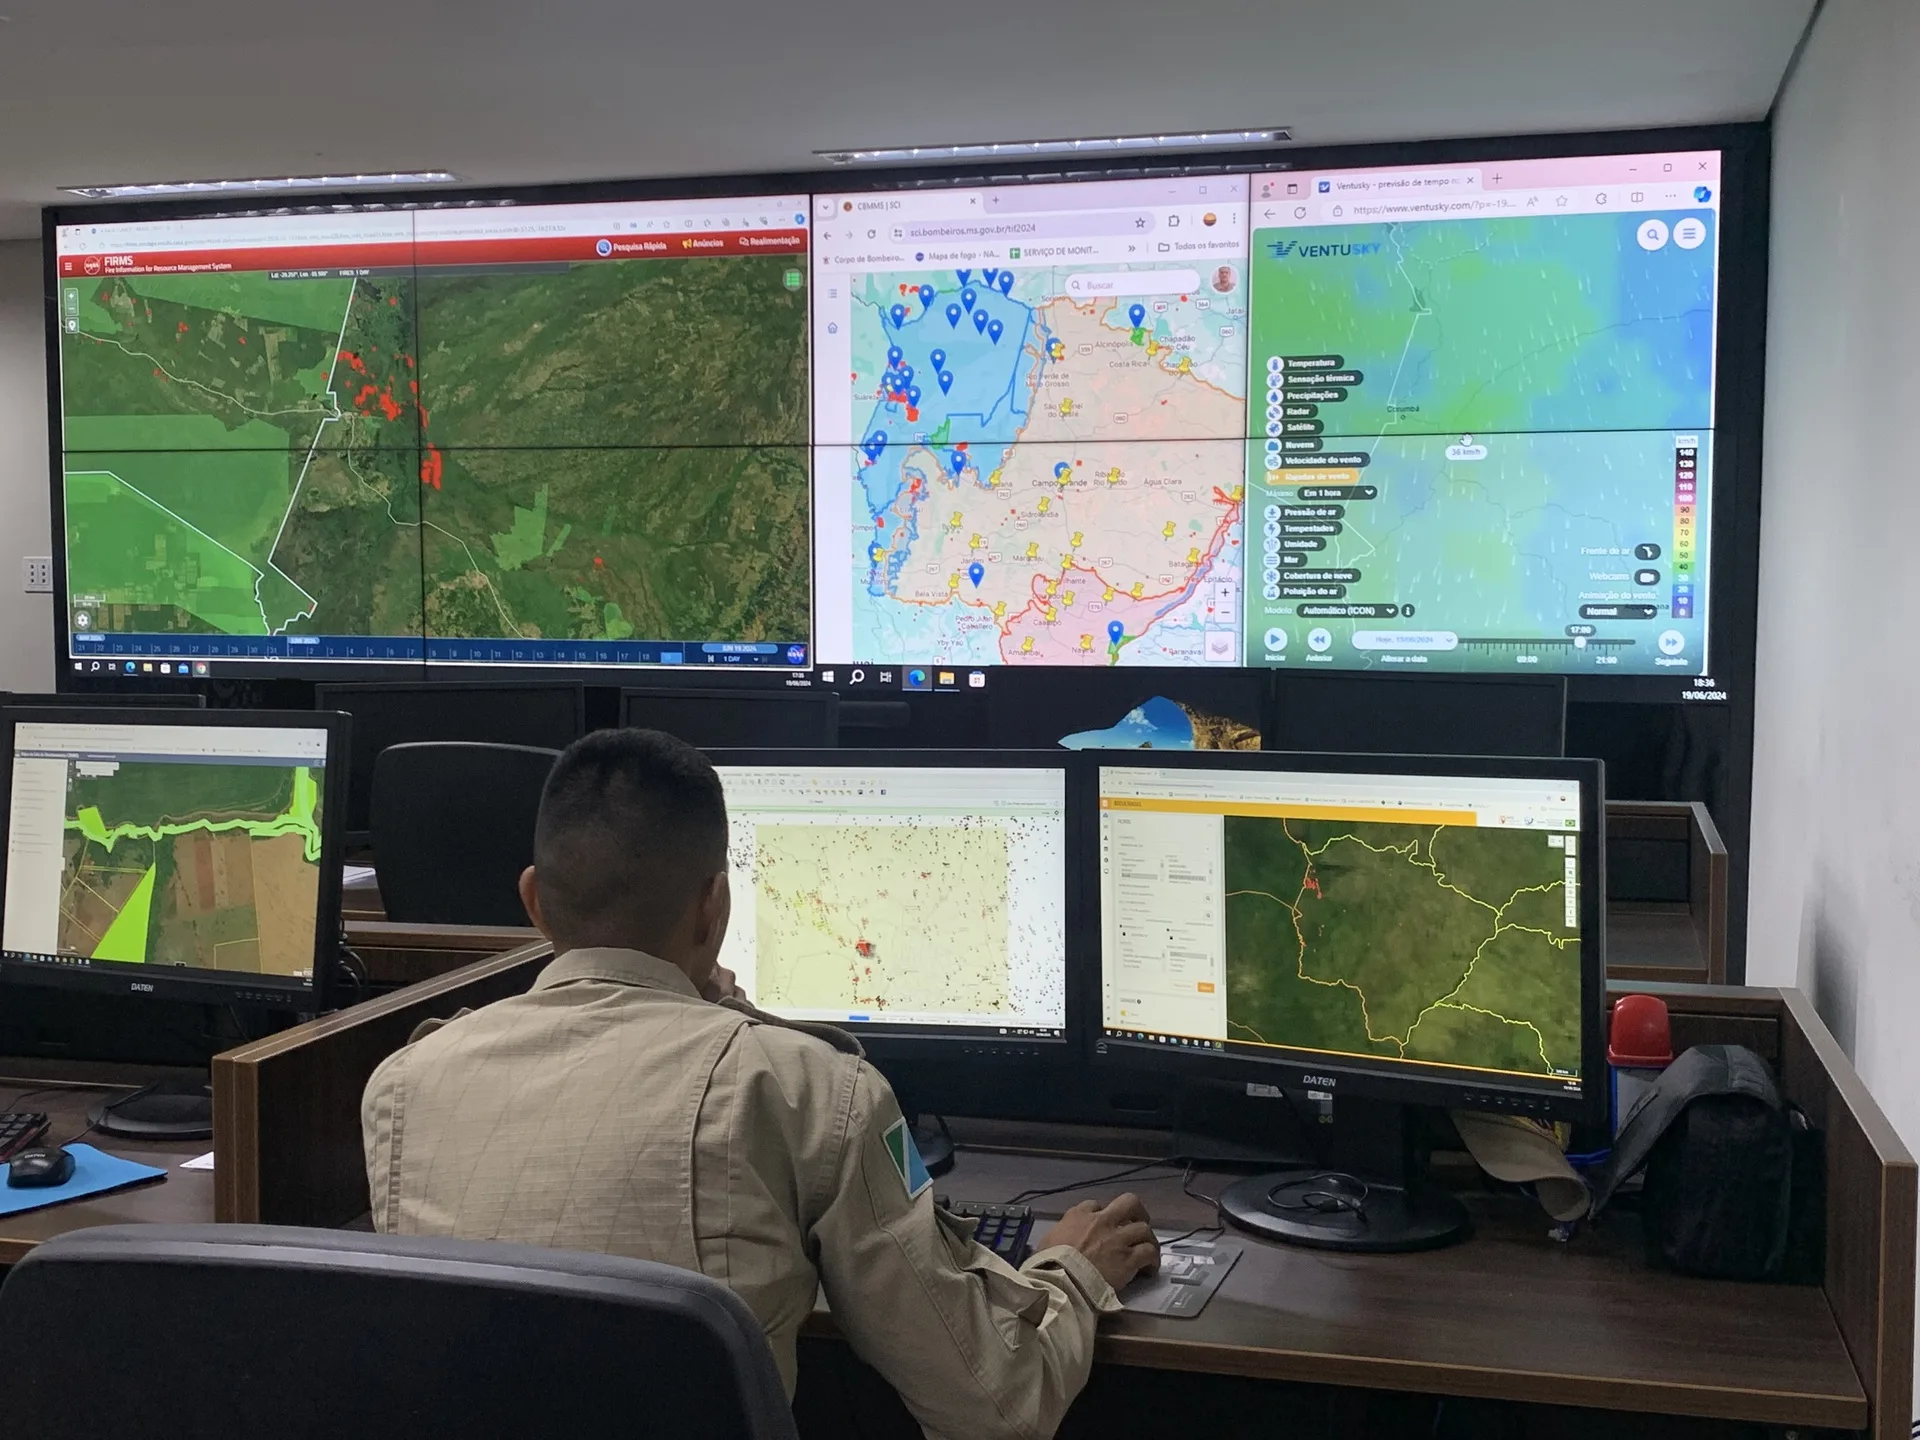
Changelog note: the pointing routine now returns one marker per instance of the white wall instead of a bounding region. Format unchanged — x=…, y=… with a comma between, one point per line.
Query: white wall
x=26, y=621
x=1835, y=902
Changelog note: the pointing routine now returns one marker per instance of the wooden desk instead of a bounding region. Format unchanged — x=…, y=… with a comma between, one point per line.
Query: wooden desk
x=184, y=1197
x=1508, y=1316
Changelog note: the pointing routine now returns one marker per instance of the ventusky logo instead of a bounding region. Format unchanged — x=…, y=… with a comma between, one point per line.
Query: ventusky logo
x=1295, y=250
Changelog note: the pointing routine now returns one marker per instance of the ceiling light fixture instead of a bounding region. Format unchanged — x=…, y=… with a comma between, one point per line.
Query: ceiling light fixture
x=154, y=190
x=1017, y=149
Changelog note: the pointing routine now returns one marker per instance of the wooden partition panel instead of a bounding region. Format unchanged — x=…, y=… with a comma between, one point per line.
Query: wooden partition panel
x=1682, y=935
x=1871, y=1212
x=396, y=954
x=286, y=1110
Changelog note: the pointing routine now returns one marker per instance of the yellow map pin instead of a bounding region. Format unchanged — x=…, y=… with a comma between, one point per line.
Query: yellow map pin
x=999, y=608
x=1046, y=503
x=953, y=581
x=1079, y=536
x=1109, y=593
x=1067, y=599
x=1193, y=556
x=1137, y=588
x=1026, y=646
x=1166, y=530
x=1052, y=585
x=1186, y=364
x=1237, y=492
x=1066, y=406
x=1086, y=642
x=957, y=521
x=994, y=478
x=1113, y=476
x=1033, y=550
x=975, y=543
x=1050, y=614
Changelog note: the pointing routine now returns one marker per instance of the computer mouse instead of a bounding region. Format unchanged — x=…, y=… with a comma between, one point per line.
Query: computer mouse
x=42, y=1165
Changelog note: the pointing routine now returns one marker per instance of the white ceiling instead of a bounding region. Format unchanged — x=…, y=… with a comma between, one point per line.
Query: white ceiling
x=96, y=91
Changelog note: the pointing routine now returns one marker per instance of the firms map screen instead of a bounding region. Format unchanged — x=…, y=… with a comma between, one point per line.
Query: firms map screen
x=506, y=435
x=1428, y=921
x=194, y=846
x=900, y=896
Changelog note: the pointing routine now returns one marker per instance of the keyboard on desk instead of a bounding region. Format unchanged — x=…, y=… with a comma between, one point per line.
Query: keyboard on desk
x=1007, y=1230
x=19, y=1129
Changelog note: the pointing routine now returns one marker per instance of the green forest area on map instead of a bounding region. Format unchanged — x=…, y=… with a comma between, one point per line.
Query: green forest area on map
x=597, y=452
x=206, y=865
x=1443, y=944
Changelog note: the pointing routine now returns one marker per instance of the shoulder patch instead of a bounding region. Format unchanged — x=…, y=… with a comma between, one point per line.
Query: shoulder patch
x=904, y=1156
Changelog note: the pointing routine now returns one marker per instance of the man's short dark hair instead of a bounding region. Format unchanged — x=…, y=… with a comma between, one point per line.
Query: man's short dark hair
x=632, y=822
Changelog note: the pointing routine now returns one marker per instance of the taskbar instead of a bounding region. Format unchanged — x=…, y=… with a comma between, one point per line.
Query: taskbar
x=124, y=653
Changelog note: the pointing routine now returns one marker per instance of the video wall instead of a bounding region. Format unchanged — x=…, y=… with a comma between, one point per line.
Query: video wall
x=1453, y=417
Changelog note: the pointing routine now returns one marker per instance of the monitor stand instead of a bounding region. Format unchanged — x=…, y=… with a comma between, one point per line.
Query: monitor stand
x=1369, y=1193
x=180, y=1109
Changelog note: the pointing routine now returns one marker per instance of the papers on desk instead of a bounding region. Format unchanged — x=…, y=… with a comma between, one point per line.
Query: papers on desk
x=356, y=875
x=198, y=1162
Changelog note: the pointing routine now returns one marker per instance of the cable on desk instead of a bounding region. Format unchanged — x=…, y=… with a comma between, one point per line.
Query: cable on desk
x=1219, y=1226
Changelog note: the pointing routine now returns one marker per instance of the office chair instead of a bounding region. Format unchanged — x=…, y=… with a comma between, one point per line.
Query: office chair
x=128, y=1331
x=452, y=828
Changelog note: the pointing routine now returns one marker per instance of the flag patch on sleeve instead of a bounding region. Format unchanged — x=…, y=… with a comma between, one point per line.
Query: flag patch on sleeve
x=904, y=1156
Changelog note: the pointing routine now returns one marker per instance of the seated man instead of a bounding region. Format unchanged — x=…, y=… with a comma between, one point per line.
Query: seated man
x=633, y=1103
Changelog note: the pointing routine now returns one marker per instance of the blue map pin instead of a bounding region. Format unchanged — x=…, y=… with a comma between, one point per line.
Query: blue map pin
x=926, y=294
x=967, y=297
x=899, y=314
x=946, y=381
x=895, y=355
x=1136, y=313
x=994, y=330
x=938, y=357
x=958, y=460
x=906, y=376
x=991, y=275
x=954, y=312
x=980, y=320
x=1006, y=282
x=974, y=572
x=913, y=396
x=964, y=275
x=1060, y=470
x=876, y=442
x=1114, y=631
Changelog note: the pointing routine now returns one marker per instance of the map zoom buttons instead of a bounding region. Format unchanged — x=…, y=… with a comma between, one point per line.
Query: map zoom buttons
x=1405, y=640
x=1320, y=640
x=1672, y=642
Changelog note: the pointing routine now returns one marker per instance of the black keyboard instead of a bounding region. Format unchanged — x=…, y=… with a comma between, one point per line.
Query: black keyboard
x=19, y=1129
x=1007, y=1230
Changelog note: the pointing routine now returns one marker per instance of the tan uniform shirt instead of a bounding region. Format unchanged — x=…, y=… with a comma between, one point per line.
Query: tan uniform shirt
x=612, y=1109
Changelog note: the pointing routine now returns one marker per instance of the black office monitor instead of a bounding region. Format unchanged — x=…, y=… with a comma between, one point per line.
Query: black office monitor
x=801, y=719
x=920, y=898
x=192, y=855
x=1413, y=930
x=175, y=699
x=1419, y=714
x=548, y=716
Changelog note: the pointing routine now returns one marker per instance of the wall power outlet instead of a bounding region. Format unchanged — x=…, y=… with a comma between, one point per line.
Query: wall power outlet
x=36, y=574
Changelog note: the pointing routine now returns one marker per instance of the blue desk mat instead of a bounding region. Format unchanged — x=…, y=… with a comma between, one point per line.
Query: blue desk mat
x=94, y=1172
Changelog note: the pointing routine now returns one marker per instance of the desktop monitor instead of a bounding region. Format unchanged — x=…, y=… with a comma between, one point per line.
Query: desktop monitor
x=1419, y=714
x=710, y=719
x=917, y=898
x=1366, y=932
x=174, y=853
x=550, y=717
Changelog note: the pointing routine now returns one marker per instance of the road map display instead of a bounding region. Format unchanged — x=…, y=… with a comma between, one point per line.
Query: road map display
x=899, y=897
x=1446, y=944
x=575, y=433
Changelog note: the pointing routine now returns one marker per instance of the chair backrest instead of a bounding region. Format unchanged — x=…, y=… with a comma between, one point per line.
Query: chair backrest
x=130, y=1331
x=453, y=829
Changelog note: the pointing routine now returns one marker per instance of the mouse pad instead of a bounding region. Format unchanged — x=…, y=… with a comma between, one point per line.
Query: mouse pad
x=94, y=1172
x=1190, y=1271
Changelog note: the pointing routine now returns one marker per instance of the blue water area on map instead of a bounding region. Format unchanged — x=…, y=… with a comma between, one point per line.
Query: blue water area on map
x=1155, y=724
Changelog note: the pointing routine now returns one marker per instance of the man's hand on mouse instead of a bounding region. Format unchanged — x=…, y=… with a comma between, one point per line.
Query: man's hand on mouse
x=1117, y=1237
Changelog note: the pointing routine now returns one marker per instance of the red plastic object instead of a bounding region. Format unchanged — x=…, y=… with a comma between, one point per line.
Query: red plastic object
x=1639, y=1037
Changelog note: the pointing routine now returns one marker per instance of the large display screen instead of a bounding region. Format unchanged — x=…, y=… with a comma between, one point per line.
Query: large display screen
x=1435, y=417
x=1425, y=922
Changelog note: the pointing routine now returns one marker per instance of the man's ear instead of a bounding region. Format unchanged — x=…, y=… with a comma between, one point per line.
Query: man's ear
x=712, y=910
x=530, y=898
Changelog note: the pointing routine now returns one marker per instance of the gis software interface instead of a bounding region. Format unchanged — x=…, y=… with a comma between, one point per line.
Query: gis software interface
x=1420, y=921
x=901, y=896
x=1442, y=417
x=174, y=845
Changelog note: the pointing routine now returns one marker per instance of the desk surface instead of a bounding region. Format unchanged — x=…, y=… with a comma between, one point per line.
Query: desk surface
x=184, y=1197
x=1510, y=1314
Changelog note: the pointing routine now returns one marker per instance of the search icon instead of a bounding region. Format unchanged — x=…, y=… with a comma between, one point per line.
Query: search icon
x=859, y=677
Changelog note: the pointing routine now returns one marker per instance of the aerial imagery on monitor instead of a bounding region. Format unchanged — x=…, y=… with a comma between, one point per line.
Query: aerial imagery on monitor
x=210, y=866
x=1442, y=944
x=590, y=452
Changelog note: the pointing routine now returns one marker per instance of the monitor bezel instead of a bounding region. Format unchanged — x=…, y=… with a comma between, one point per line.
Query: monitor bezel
x=931, y=1042
x=181, y=982
x=821, y=698
x=1354, y=1076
